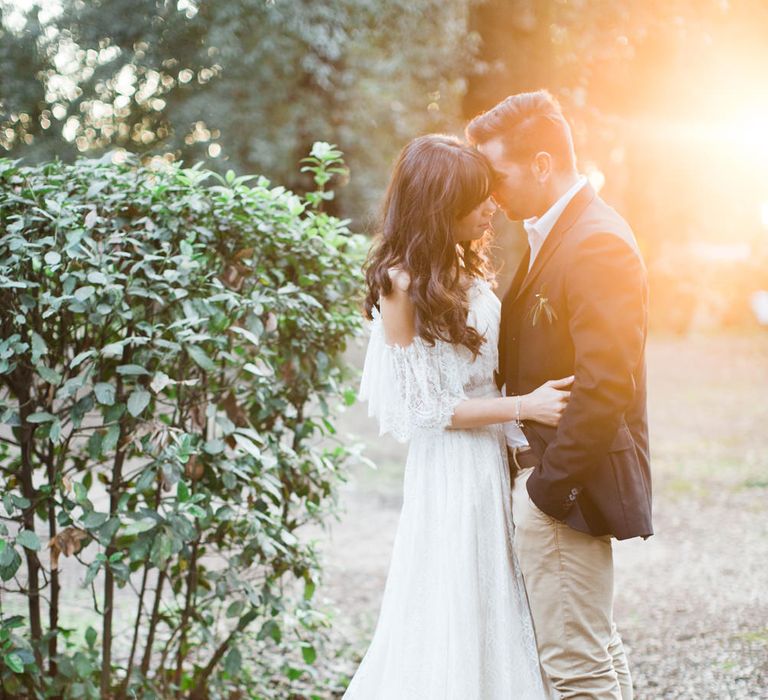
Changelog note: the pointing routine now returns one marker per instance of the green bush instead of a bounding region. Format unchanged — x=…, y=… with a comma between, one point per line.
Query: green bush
x=170, y=346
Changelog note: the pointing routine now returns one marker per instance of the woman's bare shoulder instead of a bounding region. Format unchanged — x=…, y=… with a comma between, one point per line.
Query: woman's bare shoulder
x=397, y=309
x=401, y=279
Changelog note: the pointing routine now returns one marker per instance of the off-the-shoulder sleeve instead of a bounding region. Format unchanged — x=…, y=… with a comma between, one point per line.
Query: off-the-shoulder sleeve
x=411, y=388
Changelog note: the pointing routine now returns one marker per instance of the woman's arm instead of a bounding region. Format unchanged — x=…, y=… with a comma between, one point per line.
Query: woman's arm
x=397, y=310
x=544, y=405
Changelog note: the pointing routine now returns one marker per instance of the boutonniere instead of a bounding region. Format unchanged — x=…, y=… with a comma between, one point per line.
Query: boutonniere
x=542, y=306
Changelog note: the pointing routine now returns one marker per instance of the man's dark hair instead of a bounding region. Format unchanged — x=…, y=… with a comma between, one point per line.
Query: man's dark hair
x=527, y=123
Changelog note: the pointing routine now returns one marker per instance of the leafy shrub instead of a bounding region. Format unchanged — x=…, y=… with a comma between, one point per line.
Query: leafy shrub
x=170, y=345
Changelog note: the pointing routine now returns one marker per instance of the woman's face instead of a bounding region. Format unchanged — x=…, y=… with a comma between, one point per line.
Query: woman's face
x=476, y=223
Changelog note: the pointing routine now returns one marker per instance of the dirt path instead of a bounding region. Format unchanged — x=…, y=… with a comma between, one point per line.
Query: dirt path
x=692, y=601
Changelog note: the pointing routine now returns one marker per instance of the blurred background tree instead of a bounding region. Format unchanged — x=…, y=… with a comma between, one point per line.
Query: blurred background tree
x=669, y=107
x=246, y=84
x=667, y=102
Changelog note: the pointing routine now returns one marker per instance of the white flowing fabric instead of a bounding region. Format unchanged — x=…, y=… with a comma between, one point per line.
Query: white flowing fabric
x=454, y=622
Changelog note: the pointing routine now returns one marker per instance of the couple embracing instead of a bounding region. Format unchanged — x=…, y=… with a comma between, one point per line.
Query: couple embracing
x=526, y=418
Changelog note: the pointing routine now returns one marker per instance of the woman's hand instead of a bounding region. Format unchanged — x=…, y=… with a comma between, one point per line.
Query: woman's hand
x=547, y=403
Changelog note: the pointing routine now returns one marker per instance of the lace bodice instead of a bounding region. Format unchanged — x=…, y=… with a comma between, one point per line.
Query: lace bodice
x=417, y=388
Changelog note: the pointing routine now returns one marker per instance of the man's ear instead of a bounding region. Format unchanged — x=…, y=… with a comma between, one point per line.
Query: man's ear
x=541, y=166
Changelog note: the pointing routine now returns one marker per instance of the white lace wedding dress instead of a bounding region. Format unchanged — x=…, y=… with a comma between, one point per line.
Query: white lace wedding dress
x=454, y=622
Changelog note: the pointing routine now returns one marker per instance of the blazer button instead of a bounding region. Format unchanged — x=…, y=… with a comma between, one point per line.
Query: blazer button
x=574, y=492
x=571, y=497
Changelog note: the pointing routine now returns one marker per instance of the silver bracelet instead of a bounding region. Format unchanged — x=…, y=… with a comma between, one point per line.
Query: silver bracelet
x=518, y=403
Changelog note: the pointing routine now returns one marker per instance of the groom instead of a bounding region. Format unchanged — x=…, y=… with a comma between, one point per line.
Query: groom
x=577, y=306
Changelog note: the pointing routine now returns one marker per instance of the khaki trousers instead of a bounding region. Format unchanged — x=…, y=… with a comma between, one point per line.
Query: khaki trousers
x=569, y=579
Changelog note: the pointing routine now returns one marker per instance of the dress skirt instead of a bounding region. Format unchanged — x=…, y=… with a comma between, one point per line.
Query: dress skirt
x=454, y=621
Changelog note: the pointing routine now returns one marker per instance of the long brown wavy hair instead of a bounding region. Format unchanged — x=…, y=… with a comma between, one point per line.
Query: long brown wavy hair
x=437, y=181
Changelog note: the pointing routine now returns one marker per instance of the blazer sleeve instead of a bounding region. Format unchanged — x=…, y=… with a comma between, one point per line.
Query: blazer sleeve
x=606, y=292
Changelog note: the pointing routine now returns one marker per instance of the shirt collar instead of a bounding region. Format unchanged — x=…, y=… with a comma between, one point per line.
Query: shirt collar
x=539, y=227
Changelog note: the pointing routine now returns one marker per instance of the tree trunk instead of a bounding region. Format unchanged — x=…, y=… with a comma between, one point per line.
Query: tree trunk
x=109, y=579
x=153, y=621
x=27, y=432
x=189, y=602
x=53, y=609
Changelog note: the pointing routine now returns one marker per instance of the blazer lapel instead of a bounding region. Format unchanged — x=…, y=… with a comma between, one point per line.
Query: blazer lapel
x=520, y=273
x=567, y=219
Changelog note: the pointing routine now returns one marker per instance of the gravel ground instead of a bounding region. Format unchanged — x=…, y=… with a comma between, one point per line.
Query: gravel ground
x=692, y=601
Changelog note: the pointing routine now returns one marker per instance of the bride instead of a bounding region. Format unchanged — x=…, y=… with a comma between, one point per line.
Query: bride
x=454, y=621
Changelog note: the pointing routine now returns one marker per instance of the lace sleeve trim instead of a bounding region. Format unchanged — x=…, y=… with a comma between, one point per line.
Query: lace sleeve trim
x=411, y=388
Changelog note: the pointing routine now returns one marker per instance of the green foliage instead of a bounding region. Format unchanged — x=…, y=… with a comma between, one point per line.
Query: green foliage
x=170, y=351
x=324, y=161
x=247, y=84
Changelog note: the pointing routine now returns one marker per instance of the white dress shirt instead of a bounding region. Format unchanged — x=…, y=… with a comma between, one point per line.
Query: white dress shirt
x=538, y=228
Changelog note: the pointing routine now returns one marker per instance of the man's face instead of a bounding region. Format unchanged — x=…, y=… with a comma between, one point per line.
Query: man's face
x=516, y=191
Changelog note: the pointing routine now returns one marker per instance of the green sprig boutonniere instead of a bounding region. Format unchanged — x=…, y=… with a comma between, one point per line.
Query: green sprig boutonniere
x=542, y=306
